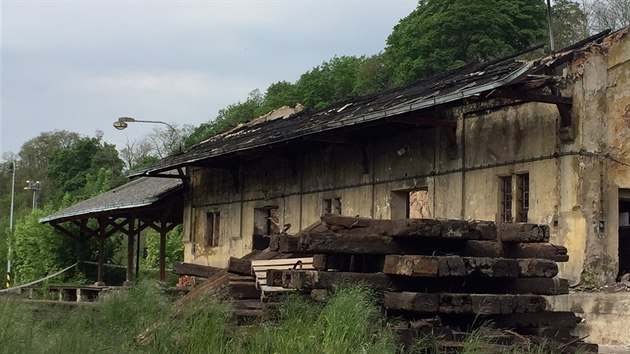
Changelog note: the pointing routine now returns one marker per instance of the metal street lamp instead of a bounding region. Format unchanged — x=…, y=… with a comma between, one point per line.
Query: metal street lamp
x=122, y=123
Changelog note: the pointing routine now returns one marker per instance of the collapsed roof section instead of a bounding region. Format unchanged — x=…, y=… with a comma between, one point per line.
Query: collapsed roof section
x=508, y=78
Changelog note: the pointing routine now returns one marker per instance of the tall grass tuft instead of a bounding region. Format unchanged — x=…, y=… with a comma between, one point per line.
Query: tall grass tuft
x=16, y=332
x=350, y=322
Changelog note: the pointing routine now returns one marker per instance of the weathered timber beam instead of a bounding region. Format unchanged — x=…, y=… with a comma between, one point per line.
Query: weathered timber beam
x=456, y=266
x=538, y=286
x=431, y=122
x=536, y=320
x=530, y=96
x=349, y=263
x=475, y=248
x=313, y=279
x=309, y=279
x=375, y=245
x=334, y=243
x=442, y=228
x=196, y=270
x=523, y=232
x=64, y=231
x=449, y=303
x=240, y=266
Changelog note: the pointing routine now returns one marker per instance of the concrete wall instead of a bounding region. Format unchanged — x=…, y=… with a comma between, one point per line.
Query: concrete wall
x=604, y=315
x=573, y=183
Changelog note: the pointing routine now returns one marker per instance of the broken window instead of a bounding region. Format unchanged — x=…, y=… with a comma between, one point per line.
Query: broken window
x=522, y=205
x=506, y=199
x=211, y=237
x=514, y=198
x=411, y=204
x=331, y=206
x=266, y=223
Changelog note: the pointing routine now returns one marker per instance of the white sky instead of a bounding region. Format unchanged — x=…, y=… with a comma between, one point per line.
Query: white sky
x=78, y=65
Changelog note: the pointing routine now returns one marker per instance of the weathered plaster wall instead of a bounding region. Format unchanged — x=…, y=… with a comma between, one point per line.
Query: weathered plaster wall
x=469, y=172
x=573, y=184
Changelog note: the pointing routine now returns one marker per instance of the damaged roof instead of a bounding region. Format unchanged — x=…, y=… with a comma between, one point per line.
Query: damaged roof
x=466, y=82
x=140, y=192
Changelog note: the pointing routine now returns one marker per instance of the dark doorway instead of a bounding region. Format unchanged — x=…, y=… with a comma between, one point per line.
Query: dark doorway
x=624, y=231
x=266, y=223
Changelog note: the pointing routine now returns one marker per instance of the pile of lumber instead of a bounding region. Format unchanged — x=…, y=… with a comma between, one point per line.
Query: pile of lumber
x=237, y=278
x=462, y=272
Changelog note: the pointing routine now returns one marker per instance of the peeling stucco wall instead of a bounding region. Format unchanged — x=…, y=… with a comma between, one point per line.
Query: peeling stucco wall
x=573, y=184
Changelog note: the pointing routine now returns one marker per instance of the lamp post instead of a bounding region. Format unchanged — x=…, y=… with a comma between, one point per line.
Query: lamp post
x=10, y=236
x=34, y=186
x=122, y=123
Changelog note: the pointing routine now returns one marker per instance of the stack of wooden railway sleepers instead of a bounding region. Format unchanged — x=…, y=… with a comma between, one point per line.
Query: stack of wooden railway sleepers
x=237, y=278
x=443, y=276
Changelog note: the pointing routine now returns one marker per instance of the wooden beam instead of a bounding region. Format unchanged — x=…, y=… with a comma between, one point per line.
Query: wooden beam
x=451, y=303
x=418, y=121
x=64, y=231
x=523, y=232
x=456, y=266
x=162, y=275
x=240, y=266
x=130, y=243
x=196, y=270
x=313, y=279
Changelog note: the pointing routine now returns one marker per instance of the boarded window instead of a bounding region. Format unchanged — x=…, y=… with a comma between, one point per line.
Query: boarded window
x=331, y=206
x=522, y=205
x=506, y=199
x=211, y=236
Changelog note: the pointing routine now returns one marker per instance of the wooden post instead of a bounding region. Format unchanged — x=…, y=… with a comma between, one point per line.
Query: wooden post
x=138, y=253
x=130, y=241
x=162, y=253
x=101, y=251
x=101, y=259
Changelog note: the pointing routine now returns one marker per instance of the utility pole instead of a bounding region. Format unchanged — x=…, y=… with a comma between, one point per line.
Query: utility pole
x=552, y=44
x=10, y=235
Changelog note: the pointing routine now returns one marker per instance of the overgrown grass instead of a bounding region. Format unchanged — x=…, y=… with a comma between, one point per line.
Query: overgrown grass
x=143, y=320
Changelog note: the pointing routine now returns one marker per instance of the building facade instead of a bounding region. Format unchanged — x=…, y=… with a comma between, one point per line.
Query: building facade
x=540, y=142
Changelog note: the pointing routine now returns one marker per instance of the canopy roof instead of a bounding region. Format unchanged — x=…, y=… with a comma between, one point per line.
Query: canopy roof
x=141, y=193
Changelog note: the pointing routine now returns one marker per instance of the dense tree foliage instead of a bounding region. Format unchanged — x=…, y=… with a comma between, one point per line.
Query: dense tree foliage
x=87, y=167
x=441, y=35
x=174, y=248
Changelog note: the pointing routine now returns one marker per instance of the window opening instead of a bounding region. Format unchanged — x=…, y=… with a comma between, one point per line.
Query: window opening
x=506, y=199
x=212, y=229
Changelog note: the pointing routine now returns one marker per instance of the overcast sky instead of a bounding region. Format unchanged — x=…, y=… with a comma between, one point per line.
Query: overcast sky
x=78, y=65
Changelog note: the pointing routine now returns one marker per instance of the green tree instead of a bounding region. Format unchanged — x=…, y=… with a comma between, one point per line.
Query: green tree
x=372, y=76
x=227, y=118
x=86, y=168
x=441, y=35
x=281, y=93
x=332, y=81
x=174, y=248
x=38, y=250
x=570, y=23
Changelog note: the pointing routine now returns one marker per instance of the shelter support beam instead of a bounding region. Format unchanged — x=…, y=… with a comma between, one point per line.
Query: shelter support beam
x=130, y=242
